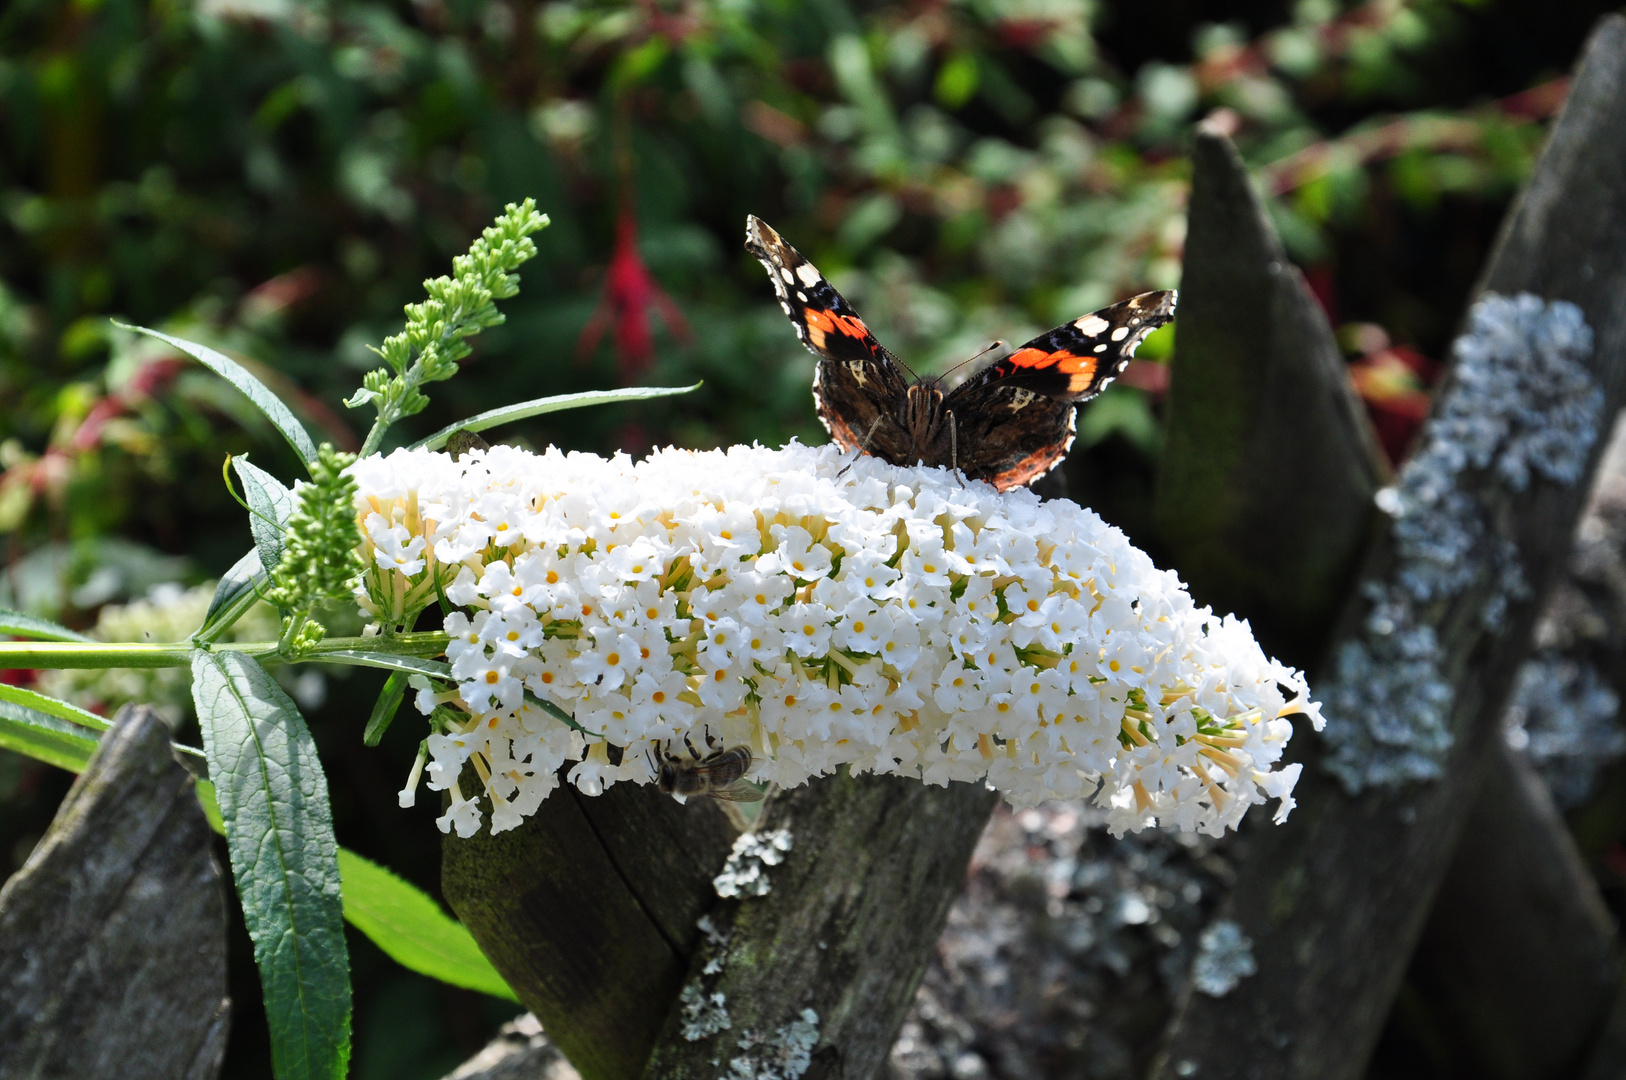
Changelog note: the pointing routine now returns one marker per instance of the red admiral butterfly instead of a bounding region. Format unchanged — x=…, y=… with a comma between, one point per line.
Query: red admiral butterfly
x=1008, y=424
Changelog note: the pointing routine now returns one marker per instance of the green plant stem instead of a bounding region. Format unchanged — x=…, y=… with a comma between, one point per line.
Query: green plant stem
x=73, y=654
x=375, y=436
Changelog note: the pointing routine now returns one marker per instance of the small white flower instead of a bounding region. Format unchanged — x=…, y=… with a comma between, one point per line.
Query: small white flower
x=462, y=815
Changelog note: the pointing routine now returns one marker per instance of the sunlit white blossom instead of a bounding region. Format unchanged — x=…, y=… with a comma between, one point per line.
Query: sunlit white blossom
x=821, y=611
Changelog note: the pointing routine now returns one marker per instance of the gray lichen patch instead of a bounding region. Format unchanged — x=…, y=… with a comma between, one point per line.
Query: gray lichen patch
x=1563, y=719
x=716, y=944
x=1224, y=959
x=705, y=1012
x=785, y=1055
x=745, y=873
x=1565, y=713
x=704, y=1015
x=1520, y=405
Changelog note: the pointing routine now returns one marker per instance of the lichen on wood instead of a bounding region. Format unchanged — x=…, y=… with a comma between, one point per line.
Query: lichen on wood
x=817, y=974
x=1520, y=405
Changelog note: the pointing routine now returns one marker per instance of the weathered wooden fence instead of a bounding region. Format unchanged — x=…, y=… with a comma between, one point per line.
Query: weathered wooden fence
x=113, y=934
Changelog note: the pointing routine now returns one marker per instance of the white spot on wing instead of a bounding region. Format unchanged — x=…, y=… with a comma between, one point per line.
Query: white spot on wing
x=1120, y=333
x=807, y=273
x=1091, y=324
x=1101, y=347
x=785, y=272
x=802, y=296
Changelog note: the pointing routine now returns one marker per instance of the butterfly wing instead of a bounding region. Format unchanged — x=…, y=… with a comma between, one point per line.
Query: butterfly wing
x=1077, y=360
x=859, y=387
x=1014, y=419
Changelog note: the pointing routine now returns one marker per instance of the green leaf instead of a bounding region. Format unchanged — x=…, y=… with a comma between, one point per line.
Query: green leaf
x=238, y=590
x=270, y=506
x=398, y=917
x=45, y=738
x=557, y=713
x=538, y=406
x=268, y=403
x=51, y=706
x=279, y=831
x=211, y=806
x=18, y=624
x=389, y=700
x=416, y=665
x=412, y=929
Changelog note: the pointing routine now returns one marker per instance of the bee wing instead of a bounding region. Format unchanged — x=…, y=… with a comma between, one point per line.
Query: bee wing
x=738, y=791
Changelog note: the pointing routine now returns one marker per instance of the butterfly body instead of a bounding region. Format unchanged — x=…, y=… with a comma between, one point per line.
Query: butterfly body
x=1008, y=424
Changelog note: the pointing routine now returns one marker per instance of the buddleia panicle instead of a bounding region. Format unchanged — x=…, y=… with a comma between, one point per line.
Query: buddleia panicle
x=319, y=563
x=459, y=307
x=822, y=613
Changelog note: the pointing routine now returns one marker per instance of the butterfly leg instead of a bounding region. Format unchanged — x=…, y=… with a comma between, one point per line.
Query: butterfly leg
x=954, y=447
x=862, y=447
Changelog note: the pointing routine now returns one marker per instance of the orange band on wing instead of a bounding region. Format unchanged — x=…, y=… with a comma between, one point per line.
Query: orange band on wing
x=1029, y=358
x=829, y=322
x=1082, y=368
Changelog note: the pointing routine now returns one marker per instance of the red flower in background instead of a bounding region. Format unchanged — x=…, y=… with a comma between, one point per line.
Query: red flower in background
x=629, y=292
x=1394, y=381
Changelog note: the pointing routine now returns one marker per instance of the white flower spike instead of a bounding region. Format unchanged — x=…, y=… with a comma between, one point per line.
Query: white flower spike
x=822, y=612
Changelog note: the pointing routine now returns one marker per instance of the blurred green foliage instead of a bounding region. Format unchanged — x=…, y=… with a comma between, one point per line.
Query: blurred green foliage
x=277, y=178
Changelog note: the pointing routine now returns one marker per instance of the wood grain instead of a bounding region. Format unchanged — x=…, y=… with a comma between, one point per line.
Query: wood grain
x=113, y=934
x=588, y=910
x=854, y=911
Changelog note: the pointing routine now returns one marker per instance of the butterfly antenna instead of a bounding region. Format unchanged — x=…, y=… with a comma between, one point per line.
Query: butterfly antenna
x=896, y=360
x=991, y=347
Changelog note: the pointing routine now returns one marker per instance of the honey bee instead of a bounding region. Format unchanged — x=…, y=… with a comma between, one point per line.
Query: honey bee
x=720, y=774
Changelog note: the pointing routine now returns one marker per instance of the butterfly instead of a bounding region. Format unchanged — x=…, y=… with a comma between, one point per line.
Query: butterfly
x=1008, y=424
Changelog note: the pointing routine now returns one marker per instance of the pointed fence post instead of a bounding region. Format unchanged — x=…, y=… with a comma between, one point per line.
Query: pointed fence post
x=113, y=934
x=1252, y=336
x=1335, y=900
x=1264, y=498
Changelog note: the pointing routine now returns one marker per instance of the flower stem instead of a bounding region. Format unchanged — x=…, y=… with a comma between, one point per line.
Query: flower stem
x=118, y=654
